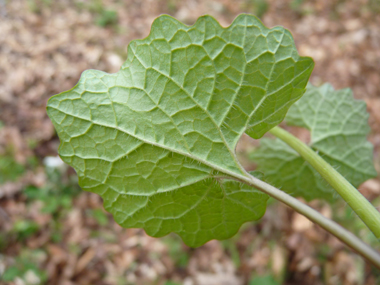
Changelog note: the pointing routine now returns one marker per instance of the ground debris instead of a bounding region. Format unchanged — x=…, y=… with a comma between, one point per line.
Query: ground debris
x=53, y=233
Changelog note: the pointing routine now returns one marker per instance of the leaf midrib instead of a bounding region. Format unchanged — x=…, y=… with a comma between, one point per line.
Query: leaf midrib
x=211, y=165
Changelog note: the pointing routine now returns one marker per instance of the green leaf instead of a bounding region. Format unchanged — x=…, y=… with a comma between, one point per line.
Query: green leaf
x=157, y=139
x=339, y=126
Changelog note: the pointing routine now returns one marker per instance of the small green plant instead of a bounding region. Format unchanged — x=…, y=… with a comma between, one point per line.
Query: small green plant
x=10, y=170
x=26, y=269
x=157, y=139
x=106, y=18
x=25, y=228
x=176, y=252
x=259, y=7
x=55, y=195
x=264, y=280
x=99, y=216
x=103, y=17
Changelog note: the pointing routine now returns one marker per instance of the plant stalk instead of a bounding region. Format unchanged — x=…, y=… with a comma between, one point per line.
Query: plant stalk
x=359, y=204
x=335, y=229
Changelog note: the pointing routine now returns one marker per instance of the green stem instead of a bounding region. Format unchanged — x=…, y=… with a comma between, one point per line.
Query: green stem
x=361, y=206
x=338, y=231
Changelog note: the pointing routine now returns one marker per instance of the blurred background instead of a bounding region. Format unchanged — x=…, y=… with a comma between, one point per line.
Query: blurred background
x=51, y=232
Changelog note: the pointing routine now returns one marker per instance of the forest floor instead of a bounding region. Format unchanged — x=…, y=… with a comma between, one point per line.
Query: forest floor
x=51, y=232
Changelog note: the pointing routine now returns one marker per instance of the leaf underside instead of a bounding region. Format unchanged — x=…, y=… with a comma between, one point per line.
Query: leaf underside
x=338, y=126
x=157, y=139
